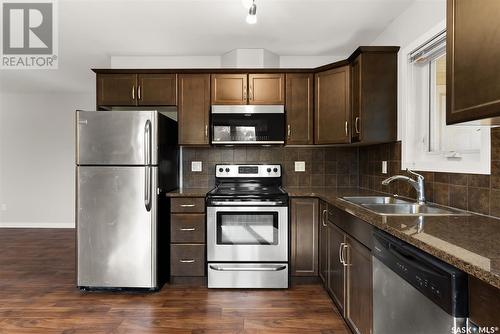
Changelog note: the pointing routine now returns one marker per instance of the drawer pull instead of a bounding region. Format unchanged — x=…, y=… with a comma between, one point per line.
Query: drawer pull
x=187, y=261
x=188, y=229
x=188, y=205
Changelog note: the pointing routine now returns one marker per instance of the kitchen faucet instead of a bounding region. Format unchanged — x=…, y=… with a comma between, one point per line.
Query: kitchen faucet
x=418, y=184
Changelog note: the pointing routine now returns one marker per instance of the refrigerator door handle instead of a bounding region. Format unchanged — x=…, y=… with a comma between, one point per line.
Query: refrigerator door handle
x=147, y=187
x=147, y=143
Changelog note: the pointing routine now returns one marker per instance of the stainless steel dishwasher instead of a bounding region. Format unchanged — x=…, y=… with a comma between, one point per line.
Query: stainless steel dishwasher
x=414, y=292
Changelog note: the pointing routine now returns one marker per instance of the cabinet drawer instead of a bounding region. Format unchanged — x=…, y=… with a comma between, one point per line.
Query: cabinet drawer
x=188, y=204
x=187, y=260
x=187, y=228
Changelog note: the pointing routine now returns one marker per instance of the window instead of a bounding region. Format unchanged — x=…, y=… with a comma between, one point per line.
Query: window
x=428, y=143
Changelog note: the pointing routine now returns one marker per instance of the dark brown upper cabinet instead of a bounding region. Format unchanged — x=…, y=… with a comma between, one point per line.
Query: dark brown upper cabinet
x=136, y=89
x=332, y=106
x=157, y=89
x=194, y=108
x=116, y=89
x=229, y=89
x=374, y=97
x=473, y=62
x=266, y=88
x=299, y=109
x=304, y=237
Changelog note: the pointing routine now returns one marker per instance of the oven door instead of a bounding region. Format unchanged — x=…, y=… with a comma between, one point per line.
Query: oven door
x=248, y=124
x=247, y=234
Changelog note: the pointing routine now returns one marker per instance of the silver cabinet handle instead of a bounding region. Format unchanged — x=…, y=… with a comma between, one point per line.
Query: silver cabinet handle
x=188, y=205
x=356, y=125
x=346, y=130
x=344, y=256
x=341, y=253
x=188, y=229
x=133, y=92
x=289, y=131
x=187, y=261
x=323, y=218
x=206, y=130
x=139, y=95
x=236, y=268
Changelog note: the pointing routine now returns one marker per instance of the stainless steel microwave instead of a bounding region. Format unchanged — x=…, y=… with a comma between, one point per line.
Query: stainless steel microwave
x=248, y=124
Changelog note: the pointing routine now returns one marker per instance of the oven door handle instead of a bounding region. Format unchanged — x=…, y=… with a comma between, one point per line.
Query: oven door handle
x=249, y=203
x=236, y=268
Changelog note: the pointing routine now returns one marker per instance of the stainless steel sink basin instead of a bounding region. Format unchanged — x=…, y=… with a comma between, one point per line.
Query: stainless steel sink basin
x=374, y=200
x=412, y=209
x=392, y=206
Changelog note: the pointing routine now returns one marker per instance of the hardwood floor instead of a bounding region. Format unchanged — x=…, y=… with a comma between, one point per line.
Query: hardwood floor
x=38, y=295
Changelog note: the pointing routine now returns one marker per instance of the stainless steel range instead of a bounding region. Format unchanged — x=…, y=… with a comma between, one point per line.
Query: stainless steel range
x=247, y=228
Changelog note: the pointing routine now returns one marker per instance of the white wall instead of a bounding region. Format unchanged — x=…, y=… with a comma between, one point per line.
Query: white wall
x=37, y=157
x=418, y=19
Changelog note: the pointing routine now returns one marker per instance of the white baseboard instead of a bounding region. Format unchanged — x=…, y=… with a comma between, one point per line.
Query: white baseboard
x=36, y=225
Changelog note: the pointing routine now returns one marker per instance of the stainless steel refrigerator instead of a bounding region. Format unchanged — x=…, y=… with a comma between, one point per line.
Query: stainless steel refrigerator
x=125, y=161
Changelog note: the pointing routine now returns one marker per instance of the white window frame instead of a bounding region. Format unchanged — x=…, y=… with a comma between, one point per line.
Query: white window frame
x=412, y=157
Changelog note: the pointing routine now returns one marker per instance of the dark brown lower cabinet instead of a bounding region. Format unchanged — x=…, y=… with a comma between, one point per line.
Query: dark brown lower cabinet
x=187, y=236
x=323, y=242
x=359, y=287
x=349, y=276
x=304, y=237
x=336, y=268
x=484, y=303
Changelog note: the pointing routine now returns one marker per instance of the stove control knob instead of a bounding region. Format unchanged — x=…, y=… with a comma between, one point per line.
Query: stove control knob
x=269, y=170
x=227, y=170
x=221, y=169
x=275, y=170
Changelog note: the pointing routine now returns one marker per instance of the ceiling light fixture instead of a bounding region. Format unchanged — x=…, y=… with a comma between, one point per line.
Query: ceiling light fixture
x=252, y=13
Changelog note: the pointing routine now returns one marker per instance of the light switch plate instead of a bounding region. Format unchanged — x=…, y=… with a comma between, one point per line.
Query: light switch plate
x=384, y=167
x=300, y=166
x=196, y=166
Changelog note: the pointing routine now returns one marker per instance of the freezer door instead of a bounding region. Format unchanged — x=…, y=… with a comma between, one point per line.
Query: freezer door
x=116, y=137
x=116, y=226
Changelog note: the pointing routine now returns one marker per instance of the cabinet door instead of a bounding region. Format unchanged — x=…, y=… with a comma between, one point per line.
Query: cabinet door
x=331, y=119
x=229, y=89
x=116, y=90
x=194, y=106
x=336, y=269
x=299, y=108
x=356, y=99
x=472, y=60
x=157, y=89
x=266, y=88
x=323, y=242
x=359, y=287
x=304, y=236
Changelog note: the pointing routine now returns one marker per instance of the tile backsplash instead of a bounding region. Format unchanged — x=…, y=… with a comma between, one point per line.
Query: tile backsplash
x=323, y=166
x=472, y=192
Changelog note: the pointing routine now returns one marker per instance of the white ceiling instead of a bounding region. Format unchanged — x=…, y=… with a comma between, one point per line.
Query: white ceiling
x=93, y=30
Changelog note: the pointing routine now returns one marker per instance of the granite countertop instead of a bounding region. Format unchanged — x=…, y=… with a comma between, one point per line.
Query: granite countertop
x=470, y=243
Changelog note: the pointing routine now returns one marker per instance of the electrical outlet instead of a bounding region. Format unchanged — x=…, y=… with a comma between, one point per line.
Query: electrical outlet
x=196, y=166
x=300, y=166
x=384, y=167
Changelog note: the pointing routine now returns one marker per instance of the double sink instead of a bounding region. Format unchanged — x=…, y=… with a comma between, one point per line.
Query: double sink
x=392, y=206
